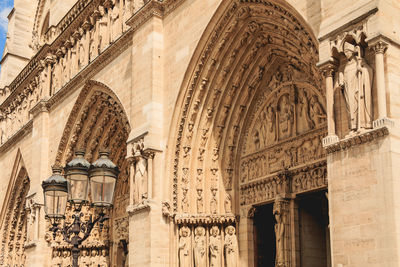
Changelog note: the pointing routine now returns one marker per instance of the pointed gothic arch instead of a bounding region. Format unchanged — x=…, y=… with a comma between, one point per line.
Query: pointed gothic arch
x=98, y=121
x=13, y=217
x=255, y=57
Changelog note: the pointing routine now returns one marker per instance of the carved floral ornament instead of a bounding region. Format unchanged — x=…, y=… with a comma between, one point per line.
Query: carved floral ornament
x=259, y=55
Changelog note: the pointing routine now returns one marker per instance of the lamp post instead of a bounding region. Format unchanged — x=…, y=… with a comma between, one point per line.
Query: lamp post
x=58, y=190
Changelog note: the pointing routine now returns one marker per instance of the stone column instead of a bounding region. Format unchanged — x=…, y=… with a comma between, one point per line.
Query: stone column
x=246, y=236
x=379, y=46
x=328, y=68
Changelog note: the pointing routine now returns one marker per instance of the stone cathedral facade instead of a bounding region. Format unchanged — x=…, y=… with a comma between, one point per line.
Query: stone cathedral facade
x=248, y=133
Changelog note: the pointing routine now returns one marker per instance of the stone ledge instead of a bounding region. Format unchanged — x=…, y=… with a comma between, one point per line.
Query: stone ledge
x=138, y=208
x=356, y=140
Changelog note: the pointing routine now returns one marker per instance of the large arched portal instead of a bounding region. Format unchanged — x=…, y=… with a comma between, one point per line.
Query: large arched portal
x=250, y=119
x=98, y=121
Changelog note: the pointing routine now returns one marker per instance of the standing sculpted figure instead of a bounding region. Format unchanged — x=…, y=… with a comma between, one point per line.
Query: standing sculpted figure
x=230, y=247
x=115, y=25
x=57, y=260
x=84, y=259
x=103, y=29
x=184, y=247
x=200, y=247
x=286, y=118
x=279, y=234
x=355, y=79
x=140, y=177
x=215, y=247
x=103, y=262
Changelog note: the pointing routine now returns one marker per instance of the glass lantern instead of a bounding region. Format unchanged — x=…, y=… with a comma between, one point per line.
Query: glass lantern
x=76, y=172
x=55, y=194
x=103, y=175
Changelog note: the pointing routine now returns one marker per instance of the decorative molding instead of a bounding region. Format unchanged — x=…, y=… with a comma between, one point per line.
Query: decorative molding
x=138, y=208
x=206, y=219
x=357, y=140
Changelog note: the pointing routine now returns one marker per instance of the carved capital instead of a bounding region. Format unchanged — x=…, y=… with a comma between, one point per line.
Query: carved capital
x=328, y=67
x=379, y=47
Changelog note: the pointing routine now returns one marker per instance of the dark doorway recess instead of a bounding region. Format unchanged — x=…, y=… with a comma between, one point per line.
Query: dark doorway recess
x=314, y=231
x=264, y=236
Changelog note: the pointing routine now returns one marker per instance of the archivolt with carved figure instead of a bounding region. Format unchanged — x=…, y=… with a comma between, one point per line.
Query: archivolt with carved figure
x=253, y=106
x=98, y=121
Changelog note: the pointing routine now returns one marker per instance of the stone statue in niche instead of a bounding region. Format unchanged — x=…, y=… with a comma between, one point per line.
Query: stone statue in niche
x=140, y=177
x=228, y=203
x=200, y=259
x=317, y=112
x=184, y=247
x=355, y=80
x=279, y=233
x=304, y=122
x=215, y=247
x=268, y=132
x=200, y=202
x=127, y=13
x=286, y=118
x=256, y=139
x=185, y=200
x=231, y=247
x=214, y=201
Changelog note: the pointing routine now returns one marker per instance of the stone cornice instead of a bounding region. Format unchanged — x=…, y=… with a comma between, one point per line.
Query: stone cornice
x=357, y=140
x=17, y=136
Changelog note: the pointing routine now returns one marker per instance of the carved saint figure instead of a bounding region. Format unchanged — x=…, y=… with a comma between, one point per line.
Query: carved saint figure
x=185, y=200
x=231, y=247
x=184, y=247
x=140, y=178
x=200, y=202
x=279, y=234
x=268, y=127
x=215, y=247
x=200, y=247
x=84, y=259
x=228, y=203
x=103, y=262
x=304, y=122
x=317, y=112
x=57, y=260
x=285, y=117
x=355, y=79
x=94, y=259
x=214, y=201
x=66, y=260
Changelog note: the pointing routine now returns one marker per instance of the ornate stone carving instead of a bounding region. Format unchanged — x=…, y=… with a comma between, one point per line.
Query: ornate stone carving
x=355, y=79
x=200, y=247
x=215, y=247
x=184, y=247
x=281, y=214
x=231, y=246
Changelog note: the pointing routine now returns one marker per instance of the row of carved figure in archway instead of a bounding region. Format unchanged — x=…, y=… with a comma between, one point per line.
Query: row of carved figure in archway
x=212, y=246
x=95, y=257
x=52, y=71
x=293, y=110
x=297, y=152
x=304, y=179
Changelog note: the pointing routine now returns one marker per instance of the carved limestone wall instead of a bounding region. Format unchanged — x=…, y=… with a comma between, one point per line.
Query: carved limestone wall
x=14, y=223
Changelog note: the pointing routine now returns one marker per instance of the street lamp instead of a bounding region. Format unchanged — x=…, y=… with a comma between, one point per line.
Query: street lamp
x=57, y=191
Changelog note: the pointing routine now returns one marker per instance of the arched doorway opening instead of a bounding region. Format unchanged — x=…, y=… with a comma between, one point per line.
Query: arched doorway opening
x=98, y=121
x=250, y=118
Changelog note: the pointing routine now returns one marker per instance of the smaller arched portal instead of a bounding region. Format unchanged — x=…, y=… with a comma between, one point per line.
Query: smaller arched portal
x=248, y=138
x=98, y=121
x=14, y=217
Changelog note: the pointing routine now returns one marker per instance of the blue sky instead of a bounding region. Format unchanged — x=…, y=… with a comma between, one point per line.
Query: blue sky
x=5, y=8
